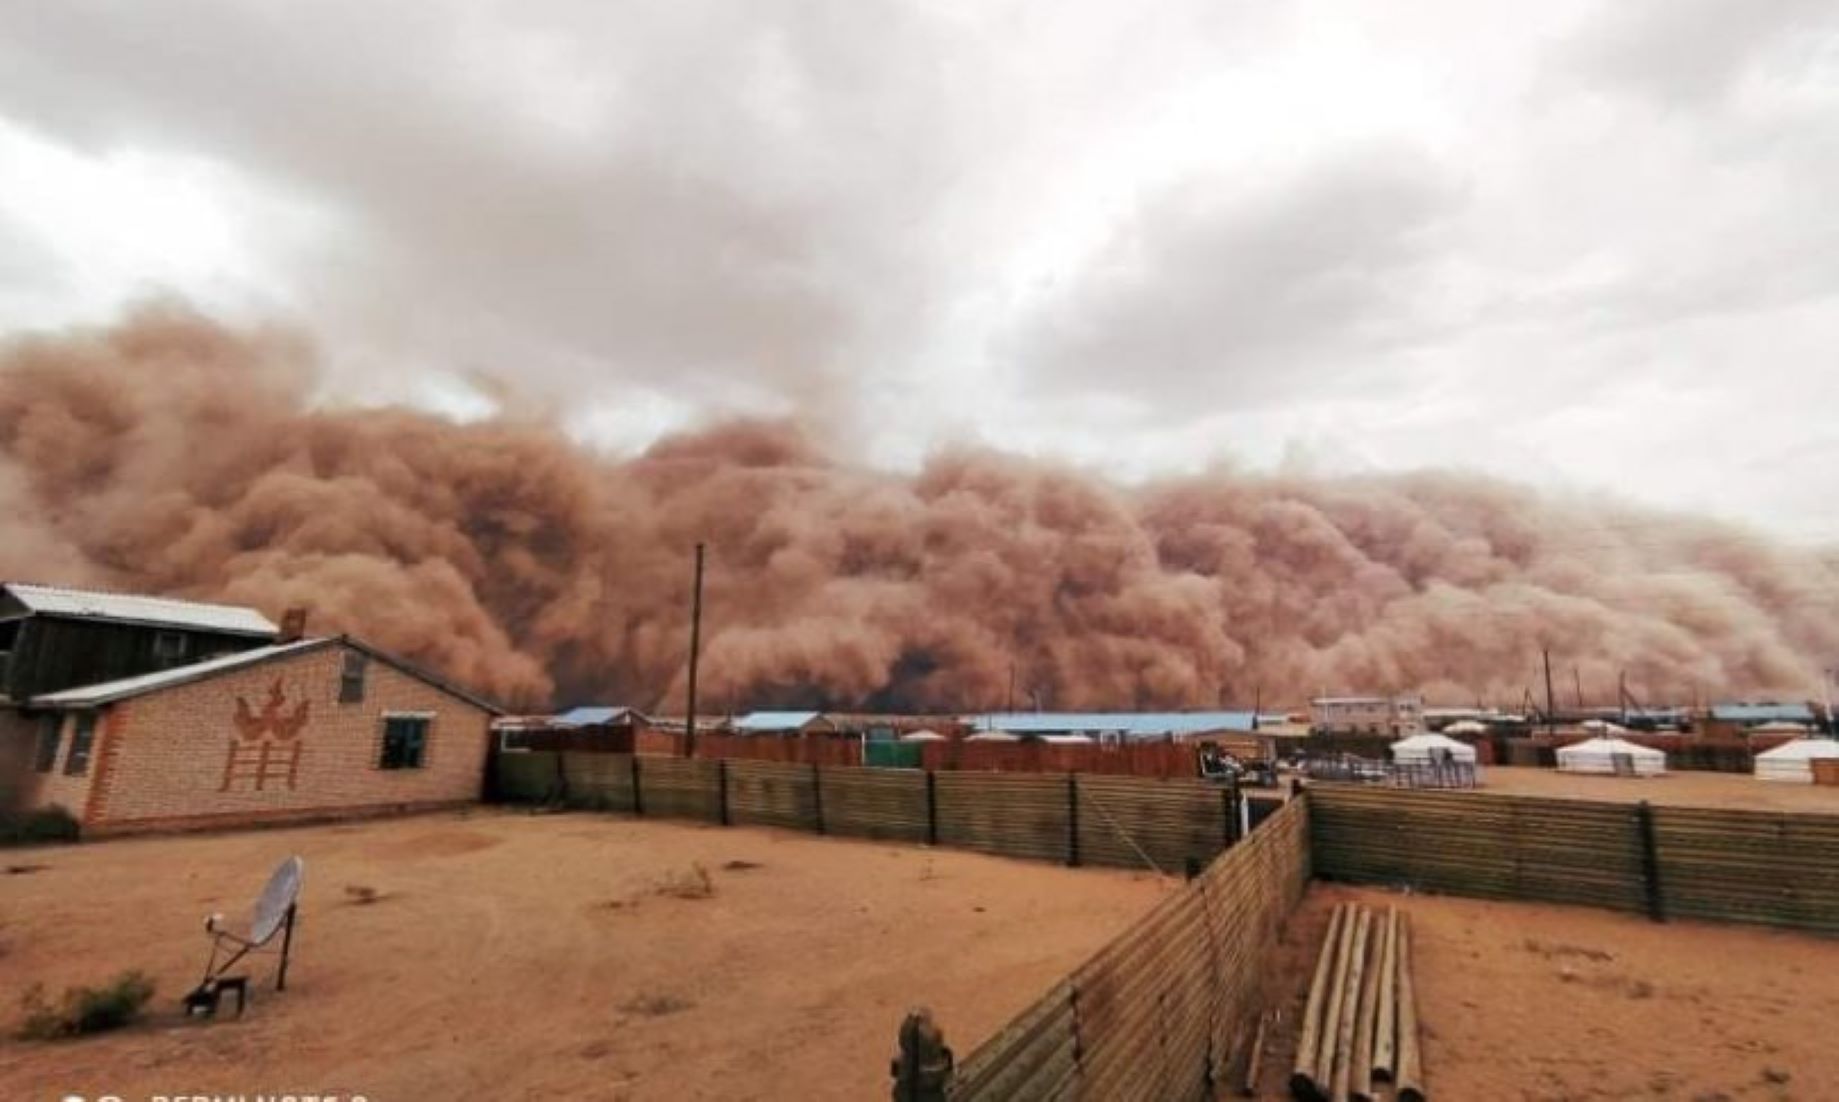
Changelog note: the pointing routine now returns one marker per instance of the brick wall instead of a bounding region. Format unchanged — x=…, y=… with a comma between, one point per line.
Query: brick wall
x=160, y=760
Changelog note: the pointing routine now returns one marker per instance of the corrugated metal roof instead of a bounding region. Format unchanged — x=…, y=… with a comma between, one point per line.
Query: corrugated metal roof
x=88, y=696
x=1762, y=713
x=775, y=721
x=596, y=715
x=1130, y=724
x=134, y=608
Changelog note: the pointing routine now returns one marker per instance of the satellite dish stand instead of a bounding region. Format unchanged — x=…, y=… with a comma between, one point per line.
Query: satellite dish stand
x=275, y=912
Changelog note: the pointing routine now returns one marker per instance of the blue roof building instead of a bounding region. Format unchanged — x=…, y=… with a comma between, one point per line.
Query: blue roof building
x=1129, y=725
x=781, y=723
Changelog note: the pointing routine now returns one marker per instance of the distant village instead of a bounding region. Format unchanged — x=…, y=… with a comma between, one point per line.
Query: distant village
x=134, y=712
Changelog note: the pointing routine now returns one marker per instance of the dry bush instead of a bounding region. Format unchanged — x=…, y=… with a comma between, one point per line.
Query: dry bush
x=362, y=894
x=691, y=883
x=85, y=1009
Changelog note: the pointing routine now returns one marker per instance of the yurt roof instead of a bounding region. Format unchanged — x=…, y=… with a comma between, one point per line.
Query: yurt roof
x=1606, y=745
x=1803, y=749
x=993, y=736
x=1430, y=742
x=1467, y=727
x=923, y=735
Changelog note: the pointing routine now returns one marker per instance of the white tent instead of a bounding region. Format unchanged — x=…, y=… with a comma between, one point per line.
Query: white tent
x=1602, y=727
x=1068, y=740
x=923, y=736
x=1426, y=749
x=1611, y=755
x=1793, y=761
x=994, y=736
x=1466, y=727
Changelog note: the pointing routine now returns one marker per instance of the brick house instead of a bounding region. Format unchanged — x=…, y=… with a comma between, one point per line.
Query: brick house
x=313, y=729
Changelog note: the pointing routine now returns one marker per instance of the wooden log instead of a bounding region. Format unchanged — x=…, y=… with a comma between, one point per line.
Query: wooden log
x=1350, y=1008
x=1410, y=1070
x=1308, y=1044
x=1360, y=1073
x=1385, y=1028
x=1249, y=1085
x=1322, y=1075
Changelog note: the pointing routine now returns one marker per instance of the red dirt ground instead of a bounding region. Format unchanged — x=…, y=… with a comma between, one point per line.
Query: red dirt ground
x=511, y=956
x=1559, y=1004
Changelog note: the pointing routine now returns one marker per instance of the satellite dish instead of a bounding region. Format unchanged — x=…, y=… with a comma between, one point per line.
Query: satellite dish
x=271, y=909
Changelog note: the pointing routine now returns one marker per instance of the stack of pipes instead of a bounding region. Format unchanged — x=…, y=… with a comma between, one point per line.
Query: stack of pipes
x=1360, y=1023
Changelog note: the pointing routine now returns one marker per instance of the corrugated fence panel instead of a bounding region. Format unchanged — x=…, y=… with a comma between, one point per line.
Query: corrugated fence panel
x=772, y=794
x=1777, y=870
x=680, y=789
x=600, y=781
x=526, y=776
x=1034, y=1057
x=876, y=803
x=1154, y=1012
x=1170, y=821
x=1013, y=814
x=1561, y=851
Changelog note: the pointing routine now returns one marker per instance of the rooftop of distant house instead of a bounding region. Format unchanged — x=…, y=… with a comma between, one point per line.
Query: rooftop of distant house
x=134, y=608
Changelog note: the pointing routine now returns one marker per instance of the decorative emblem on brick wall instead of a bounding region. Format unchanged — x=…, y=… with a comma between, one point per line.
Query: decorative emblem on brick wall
x=266, y=747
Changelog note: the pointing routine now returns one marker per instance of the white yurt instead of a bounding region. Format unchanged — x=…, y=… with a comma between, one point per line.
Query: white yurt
x=1466, y=727
x=1611, y=755
x=1069, y=740
x=1429, y=749
x=1602, y=727
x=1793, y=761
x=923, y=735
x=993, y=736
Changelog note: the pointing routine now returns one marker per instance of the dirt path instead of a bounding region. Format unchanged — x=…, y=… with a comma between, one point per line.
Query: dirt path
x=1560, y=1004
x=509, y=956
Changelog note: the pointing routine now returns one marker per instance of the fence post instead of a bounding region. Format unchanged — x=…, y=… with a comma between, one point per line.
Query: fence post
x=1072, y=819
x=638, y=793
x=923, y=1065
x=1650, y=861
x=721, y=790
x=932, y=808
x=817, y=795
x=1229, y=827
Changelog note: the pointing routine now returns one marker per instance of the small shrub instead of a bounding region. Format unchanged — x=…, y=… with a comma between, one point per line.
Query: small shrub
x=362, y=894
x=45, y=824
x=652, y=1004
x=692, y=883
x=85, y=1010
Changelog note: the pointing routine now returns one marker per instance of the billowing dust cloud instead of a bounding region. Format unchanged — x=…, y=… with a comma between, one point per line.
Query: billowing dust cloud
x=175, y=456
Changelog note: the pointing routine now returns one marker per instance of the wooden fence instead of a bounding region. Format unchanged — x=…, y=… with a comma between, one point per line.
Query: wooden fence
x=1123, y=821
x=1160, y=1012
x=1140, y=759
x=1733, y=866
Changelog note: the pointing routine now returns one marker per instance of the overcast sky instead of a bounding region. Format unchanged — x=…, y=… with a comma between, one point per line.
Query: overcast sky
x=1581, y=244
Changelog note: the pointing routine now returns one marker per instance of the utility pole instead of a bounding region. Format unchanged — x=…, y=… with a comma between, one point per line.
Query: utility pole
x=1622, y=694
x=1009, y=701
x=689, y=726
x=1551, y=725
x=1577, y=680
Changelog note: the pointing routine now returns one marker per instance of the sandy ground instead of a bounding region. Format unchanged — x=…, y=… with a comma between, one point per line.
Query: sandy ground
x=511, y=956
x=1682, y=788
x=1559, y=1004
